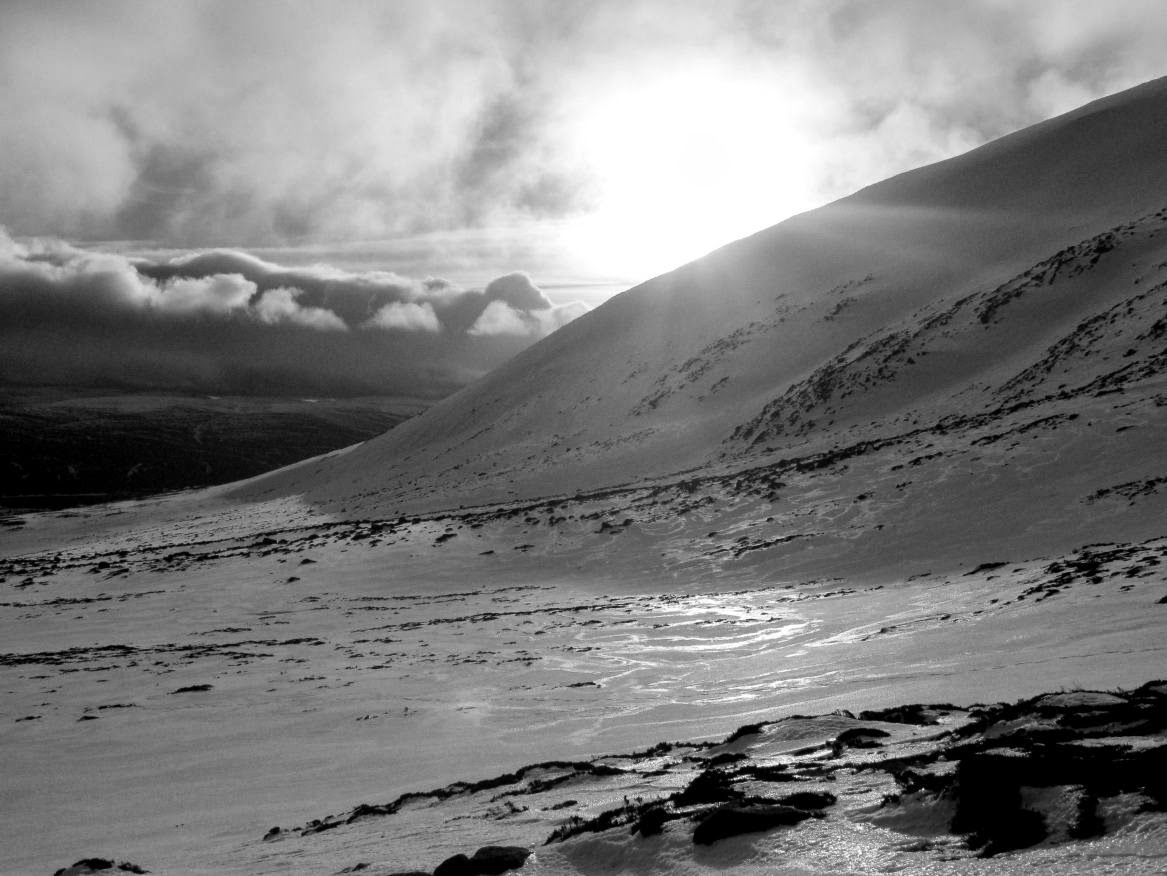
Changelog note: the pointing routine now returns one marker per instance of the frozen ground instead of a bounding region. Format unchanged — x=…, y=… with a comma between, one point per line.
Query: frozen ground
x=906, y=448
x=168, y=703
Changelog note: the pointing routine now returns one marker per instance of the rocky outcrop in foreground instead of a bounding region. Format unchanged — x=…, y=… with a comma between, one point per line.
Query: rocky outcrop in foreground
x=968, y=781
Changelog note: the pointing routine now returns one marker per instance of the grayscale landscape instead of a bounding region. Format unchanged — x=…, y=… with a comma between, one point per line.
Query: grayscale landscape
x=839, y=549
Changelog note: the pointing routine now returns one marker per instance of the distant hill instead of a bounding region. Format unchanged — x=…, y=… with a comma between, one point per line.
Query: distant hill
x=64, y=448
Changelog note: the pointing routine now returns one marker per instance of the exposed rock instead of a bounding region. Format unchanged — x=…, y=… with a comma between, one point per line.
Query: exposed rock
x=732, y=819
x=99, y=865
x=652, y=821
x=725, y=758
x=487, y=861
x=711, y=786
x=746, y=730
x=1051, y=769
x=455, y=865
x=193, y=688
x=989, y=807
x=857, y=737
x=492, y=860
x=910, y=714
x=809, y=800
x=777, y=772
x=860, y=737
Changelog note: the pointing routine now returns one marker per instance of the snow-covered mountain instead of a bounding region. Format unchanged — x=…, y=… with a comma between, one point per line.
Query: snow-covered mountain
x=1006, y=289
x=904, y=448
x=1019, y=271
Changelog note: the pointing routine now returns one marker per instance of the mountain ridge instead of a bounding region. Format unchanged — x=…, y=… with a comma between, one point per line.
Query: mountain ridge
x=662, y=378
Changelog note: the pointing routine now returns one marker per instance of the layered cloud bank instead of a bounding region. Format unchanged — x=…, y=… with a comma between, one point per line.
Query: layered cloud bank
x=227, y=321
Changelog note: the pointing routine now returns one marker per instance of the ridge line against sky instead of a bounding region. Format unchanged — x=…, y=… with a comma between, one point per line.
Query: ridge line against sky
x=635, y=135
x=276, y=197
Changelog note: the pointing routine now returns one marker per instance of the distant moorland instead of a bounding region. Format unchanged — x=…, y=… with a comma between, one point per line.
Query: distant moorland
x=62, y=448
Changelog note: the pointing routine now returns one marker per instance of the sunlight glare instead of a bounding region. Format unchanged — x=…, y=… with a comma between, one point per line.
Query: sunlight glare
x=686, y=163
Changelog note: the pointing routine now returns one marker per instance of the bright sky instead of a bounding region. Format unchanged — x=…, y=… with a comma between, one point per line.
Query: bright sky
x=584, y=142
x=686, y=160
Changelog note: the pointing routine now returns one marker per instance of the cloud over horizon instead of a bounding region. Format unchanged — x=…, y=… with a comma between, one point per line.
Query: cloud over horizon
x=225, y=124
x=227, y=321
x=516, y=306
x=616, y=137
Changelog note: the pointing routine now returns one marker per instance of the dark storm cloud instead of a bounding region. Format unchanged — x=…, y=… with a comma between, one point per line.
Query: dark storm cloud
x=224, y=123
x=225, y=321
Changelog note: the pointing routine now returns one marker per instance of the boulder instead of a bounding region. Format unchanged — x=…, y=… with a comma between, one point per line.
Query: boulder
x=487, y=861
x=455, y=865
x=492, y=860
x=86, y=866
x=732, y=819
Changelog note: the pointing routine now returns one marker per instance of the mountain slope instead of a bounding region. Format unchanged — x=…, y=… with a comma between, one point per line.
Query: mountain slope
x=1016, y=274
x=905, y=448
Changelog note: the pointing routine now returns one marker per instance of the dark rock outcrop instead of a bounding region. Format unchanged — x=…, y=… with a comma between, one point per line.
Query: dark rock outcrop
x=193, y=688
x=808, y=800
x=710, y=786
x=492, y=860
x=99, y=865
x=732, y=819
x=487, y=861
x=455, y=865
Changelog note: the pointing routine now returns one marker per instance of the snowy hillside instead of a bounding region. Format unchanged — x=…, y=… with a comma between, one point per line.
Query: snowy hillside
x=1029, y=268
x=906, y=448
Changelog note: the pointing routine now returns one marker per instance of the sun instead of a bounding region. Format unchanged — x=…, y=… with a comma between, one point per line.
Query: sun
x=686, y=162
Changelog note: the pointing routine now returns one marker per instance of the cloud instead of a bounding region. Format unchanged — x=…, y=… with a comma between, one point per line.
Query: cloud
x=352, y=296
x=220, y=295
x=225, y=321
x=55, y=281
x=389, y=119
x=378, y=299
x=518, y=291
x=499, y=318
x=279, y=305
x=559, y=316
x=518, y=308
x=407, y=316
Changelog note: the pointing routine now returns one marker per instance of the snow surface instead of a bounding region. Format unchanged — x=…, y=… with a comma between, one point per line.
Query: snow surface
x=904, y=448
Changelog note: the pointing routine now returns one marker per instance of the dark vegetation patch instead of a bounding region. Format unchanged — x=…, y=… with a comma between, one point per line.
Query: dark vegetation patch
x=58, y=453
